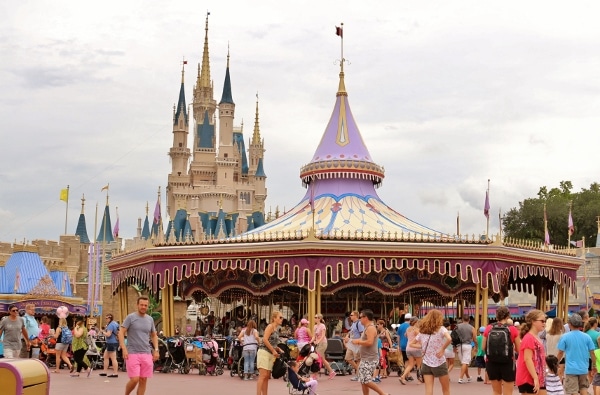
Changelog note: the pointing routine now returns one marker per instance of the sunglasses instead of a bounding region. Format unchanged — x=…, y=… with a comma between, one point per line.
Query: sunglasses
x=13, y=310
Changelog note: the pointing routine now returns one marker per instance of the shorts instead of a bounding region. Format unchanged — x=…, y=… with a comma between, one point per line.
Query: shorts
x=480, y=361
x=9, y=353
x=449, y=354
x=464, y=353
x=414, y=353
x=140, y=365
x=352, y=355
x=596, y=380
x=111, y=347
x=501, y=371
x=435, y=371
x=527, y=388
x=61, y=346
x=573, y=383
x=365, y=371
x=320, y=348
x=264, y=359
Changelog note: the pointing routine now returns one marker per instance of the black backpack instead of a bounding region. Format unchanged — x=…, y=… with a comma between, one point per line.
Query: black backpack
x=279, y=368
x=499, y=344
x=456, y=341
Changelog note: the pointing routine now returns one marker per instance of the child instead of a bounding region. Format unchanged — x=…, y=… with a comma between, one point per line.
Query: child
x=480, y=357
x=376, y=373
x=553, y=384
x=299, y=382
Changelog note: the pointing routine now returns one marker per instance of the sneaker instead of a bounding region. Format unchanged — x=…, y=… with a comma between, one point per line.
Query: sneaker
x=468, y=379
x=376, y=380
x=479, y=379
x=460, y=381
x=409, y=378
x=332, y=374
x=355, y=378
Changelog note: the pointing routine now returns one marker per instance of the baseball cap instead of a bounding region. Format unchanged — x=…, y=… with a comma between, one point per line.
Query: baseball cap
x=407, y=316
x=576, y=321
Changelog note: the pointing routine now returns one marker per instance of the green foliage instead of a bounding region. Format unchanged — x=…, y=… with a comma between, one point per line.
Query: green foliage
x=527, y=221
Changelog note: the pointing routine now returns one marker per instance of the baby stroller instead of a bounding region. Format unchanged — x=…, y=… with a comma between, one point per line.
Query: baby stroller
x=213, y=364
x=93, y=354
x=47, y=351
x=176, y=358
x=295, y=384
x=395, y=361
x=234, y=357
x=163, y=355
x=310, y=361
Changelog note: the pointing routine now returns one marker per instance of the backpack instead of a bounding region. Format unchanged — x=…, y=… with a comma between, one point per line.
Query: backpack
x=66, y=336
x=499, y=344
x=279, y=368
x=456, y=341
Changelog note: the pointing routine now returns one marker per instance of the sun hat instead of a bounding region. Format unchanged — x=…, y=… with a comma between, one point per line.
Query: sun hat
x=303, y=321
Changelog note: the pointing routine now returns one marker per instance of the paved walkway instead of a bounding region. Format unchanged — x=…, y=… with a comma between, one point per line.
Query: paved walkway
x=176, y=384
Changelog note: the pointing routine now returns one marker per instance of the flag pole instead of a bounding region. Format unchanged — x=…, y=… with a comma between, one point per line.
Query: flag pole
x=67, y=209
x=570, y=224
x=486, y=211
x=92, y=275
x=500, y=221
x=587, y=280
x=458, y=223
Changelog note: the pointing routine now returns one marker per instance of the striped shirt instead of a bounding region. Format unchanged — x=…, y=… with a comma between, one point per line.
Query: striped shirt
x=553, y=385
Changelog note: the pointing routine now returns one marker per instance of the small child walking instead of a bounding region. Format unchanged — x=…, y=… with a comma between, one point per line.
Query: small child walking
x=553, y=384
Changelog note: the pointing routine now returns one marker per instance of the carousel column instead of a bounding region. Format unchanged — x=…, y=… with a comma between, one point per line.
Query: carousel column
x=565, y=312
x=477, y=305
x=123, y=300
x=460, y=309
x=560, y=302
x=168, y=326
x=484, y=306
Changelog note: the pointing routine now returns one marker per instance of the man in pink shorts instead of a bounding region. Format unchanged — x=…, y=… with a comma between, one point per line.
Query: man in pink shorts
x=139, y=329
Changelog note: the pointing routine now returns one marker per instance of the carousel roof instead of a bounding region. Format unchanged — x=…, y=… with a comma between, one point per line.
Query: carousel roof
x=341, y=180
x=24, y=271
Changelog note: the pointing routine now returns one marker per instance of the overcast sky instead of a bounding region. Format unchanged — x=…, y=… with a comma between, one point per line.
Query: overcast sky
x=446, y=95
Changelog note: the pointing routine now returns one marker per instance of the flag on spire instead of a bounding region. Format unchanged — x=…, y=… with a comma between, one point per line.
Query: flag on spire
x=64, y=195
x=571, y=227
x=486, y=205
x=104, y=188
x=116, y=228
x=157, y=212
x=546, y=234
x=339, y=31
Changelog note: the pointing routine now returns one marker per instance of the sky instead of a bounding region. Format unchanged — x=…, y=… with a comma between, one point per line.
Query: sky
x=447, y=95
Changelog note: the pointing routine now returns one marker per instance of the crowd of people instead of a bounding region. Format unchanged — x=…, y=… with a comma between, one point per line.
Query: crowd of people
x=537, y=355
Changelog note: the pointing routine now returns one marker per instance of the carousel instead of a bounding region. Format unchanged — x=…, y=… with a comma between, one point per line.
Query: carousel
x=342, y=248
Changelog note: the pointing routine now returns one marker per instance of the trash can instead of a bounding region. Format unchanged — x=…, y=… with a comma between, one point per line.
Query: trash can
x=24, y=377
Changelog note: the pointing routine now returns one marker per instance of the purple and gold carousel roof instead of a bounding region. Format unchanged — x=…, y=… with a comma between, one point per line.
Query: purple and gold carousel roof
x=341, y=180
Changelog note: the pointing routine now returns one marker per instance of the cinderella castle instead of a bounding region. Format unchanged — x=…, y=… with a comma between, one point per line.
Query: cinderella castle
x=216, y=188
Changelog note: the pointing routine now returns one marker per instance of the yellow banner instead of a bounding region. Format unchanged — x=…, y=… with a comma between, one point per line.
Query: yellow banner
x=64, y=195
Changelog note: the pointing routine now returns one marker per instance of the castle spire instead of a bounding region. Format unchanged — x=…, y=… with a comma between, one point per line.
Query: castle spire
x=181, y=112
x=256, y=134
x=204, y=77
x=81, y=230
x=227, y=97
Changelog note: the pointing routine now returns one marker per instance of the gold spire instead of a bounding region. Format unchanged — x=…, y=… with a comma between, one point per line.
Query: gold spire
x=204, y=78
x=342, y=86
x=256, y=134
x=82, y=203
x=147, y=208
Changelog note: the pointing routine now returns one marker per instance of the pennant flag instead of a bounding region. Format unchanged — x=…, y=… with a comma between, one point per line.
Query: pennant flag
x=486, y=205
x=571, y=227
x=546, y=234
x=185, y=62
x=157, y=212
x=339, y=31
x=116, y=228
x=104, y=188
x=64, y=195
x=585, y=283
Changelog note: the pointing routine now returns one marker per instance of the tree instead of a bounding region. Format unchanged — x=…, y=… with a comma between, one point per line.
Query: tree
x=527, y=221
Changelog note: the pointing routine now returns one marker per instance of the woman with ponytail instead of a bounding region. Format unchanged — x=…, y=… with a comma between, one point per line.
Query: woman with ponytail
x=531, y=364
